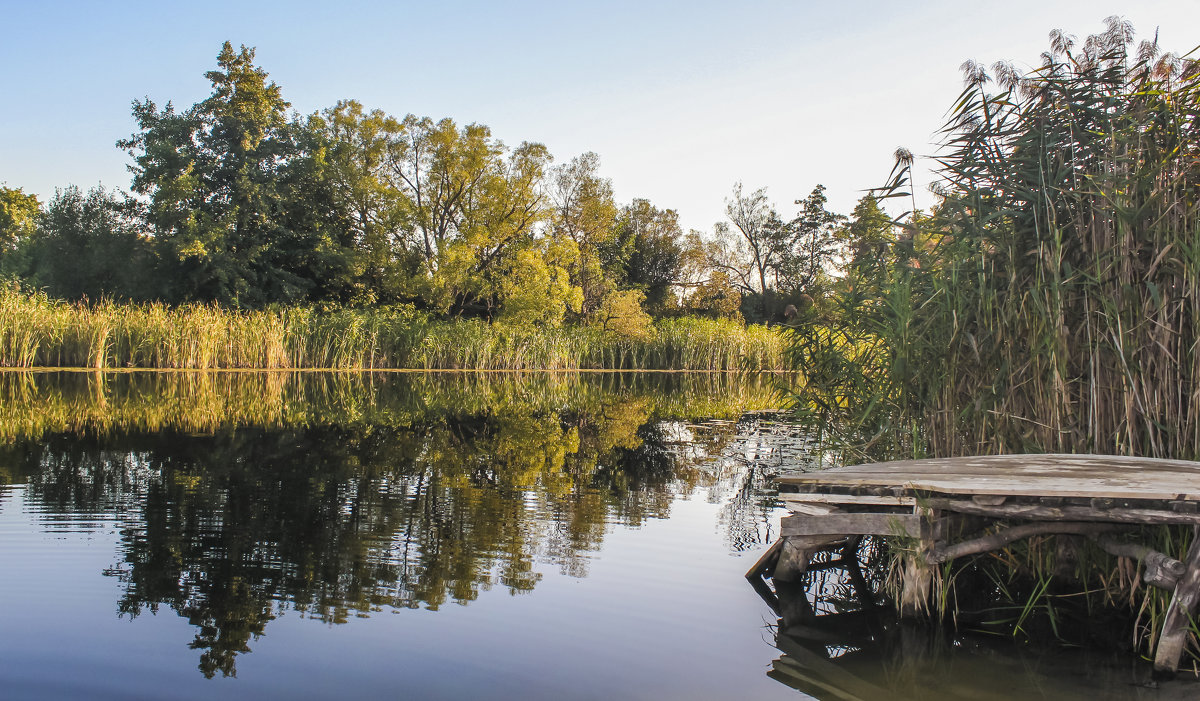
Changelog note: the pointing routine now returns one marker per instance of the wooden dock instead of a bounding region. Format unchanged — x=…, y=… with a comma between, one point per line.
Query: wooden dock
x=949, y=508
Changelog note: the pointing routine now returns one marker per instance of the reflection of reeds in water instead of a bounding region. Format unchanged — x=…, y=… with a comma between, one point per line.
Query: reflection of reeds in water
x=35, y=403
x=36, y=331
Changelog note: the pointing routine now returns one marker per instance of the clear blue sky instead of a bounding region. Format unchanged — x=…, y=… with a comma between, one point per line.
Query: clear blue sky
x=680, y=99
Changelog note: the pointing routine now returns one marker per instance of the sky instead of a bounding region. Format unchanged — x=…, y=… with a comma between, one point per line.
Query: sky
x=679, y=99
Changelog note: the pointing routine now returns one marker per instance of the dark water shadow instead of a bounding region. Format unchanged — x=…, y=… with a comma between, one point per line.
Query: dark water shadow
x=839, y=638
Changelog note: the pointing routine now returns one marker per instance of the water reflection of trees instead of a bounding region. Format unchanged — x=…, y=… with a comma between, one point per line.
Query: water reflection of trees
x=406, y=491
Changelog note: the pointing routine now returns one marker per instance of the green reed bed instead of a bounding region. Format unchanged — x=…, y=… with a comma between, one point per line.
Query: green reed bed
x=36, y=331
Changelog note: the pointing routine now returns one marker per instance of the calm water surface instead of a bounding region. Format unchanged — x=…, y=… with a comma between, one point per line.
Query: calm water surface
x=424, y=536
x=390, y=536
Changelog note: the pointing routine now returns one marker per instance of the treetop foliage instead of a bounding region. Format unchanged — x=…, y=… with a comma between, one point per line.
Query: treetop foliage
x=237, y=201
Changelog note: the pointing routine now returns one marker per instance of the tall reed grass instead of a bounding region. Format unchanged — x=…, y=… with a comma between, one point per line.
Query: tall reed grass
x=36, y=331
x=1051, y=302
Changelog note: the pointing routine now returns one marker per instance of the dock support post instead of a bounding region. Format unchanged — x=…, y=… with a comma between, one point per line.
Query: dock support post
x=916, y=574
x=793, y=561
x=797, y=551
x=916, y=582
x=1179, y=612
x=788, y=575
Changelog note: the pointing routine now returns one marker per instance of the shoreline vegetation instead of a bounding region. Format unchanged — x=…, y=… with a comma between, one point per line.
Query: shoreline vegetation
x=1047, y=303
x=37, y=331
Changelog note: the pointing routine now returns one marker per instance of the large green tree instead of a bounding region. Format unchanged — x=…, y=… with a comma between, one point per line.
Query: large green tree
x=346, y=170
x=584, y=212
x=216, y=180
x=470, y=206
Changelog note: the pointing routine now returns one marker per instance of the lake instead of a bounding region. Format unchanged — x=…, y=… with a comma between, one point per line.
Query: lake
x=268, y=535
x=416, y=535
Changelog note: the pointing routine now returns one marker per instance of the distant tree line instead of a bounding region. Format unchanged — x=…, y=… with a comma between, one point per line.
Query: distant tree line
x=238, y=202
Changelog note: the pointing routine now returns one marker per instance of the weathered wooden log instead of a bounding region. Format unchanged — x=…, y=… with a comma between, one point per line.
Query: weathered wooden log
x=811, y=508
x=793, y=561
x=995, y=541
x=796, y=551
x=858, y=500
x=1162, y=571
x=766, y=564
x=1179, y=613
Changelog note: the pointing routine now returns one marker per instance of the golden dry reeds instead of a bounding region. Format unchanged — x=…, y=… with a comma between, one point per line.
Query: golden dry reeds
x=36, y=331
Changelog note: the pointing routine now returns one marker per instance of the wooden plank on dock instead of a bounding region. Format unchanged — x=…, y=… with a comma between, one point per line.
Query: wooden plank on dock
x=1056, y=475
x=1037, y=512
x=798, y=505
x=904, y=525
x=857, y=499
x=934, y=501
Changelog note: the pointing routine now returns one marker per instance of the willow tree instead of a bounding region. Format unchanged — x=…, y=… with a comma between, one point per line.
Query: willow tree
x=350, y=151
x=470, y=207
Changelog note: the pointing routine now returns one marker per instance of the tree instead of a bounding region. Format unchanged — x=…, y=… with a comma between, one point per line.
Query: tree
x=215, y=179
x=621, y=313
x=92, y=246
x=584, y=212
x=869, y=238
x=18, y=221
x=537, y=287
x=468, y=209
x=717, y=297
x=349, y=152
x=764, y=236
x=810, y=247
x=655, y=258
